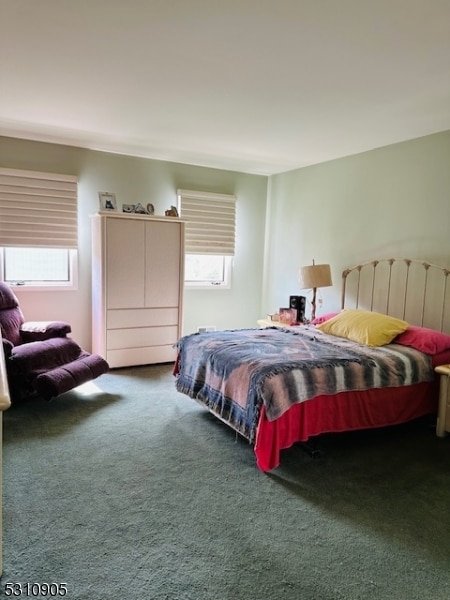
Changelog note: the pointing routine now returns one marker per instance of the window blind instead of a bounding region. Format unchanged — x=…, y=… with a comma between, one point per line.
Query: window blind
x=210, y=222
x=38, y=209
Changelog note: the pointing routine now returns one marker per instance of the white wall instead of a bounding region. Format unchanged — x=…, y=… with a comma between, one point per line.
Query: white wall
x=392, y=201
x=140, y=180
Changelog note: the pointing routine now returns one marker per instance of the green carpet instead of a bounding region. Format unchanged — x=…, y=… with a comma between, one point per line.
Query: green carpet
x=134, y=491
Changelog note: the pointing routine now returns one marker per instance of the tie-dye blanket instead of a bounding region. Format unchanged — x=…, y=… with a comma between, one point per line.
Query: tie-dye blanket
x=234, y=372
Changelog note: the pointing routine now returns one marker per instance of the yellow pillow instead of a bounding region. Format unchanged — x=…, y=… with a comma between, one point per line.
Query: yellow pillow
x=364, y=327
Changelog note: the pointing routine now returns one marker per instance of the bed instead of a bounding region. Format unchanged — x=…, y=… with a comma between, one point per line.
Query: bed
x=371, y=364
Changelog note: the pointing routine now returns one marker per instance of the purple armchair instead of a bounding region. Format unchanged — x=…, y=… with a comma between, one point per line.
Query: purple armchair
x=40, y=359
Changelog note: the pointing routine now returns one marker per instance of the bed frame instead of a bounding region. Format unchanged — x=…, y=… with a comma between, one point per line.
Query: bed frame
x=410, y=289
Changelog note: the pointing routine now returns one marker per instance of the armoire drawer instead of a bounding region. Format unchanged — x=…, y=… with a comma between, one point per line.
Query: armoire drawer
x=128, y=357
x=141, y=336
x=141, y=317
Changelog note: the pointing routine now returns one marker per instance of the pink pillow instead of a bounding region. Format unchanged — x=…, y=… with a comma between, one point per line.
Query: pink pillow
x=323, y=318
x=441, y=358
x=428, y=341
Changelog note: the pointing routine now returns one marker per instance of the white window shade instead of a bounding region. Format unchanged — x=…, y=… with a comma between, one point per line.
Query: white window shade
x=210, y=222
x=38, y=210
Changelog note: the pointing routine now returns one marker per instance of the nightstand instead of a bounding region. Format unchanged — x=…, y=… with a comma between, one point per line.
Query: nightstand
x=443, y=419
x=268, y=323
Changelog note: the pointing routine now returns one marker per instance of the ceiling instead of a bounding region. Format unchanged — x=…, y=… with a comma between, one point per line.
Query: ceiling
x=258, y=86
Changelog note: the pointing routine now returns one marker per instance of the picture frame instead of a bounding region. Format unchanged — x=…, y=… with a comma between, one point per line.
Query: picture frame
x=107, y=201
x=287, y=315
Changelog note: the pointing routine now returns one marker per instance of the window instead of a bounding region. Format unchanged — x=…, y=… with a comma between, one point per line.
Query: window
x=38, y=229
x=206, y=270
x=39, y=267
x=209, y=239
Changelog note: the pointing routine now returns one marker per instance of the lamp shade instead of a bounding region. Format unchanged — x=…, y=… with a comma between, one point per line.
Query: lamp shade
x=315, y=276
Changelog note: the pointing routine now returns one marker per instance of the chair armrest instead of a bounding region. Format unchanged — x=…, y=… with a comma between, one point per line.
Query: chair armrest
x=43, y=355
x=7, y=347
x=36, y=331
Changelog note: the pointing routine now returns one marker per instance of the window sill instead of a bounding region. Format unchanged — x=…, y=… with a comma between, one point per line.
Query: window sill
x=42, y=288
x=208, y=286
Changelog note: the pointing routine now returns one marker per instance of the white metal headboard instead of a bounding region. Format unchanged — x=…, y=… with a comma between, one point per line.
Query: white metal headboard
x=410, y=289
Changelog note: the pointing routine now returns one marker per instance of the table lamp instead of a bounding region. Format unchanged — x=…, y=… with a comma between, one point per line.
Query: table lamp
x=313, y=277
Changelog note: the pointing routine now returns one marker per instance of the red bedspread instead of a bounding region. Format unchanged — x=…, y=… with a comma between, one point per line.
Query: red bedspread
x=346, y=411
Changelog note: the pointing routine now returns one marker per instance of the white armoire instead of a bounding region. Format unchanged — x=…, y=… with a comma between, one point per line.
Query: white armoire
x=137, y=287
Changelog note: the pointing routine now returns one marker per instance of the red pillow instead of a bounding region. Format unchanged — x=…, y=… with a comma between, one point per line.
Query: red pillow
x=323, y=318
x=428, y=341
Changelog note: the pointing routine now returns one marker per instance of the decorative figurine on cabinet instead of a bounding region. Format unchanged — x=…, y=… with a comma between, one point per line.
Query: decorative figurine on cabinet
x=172, y=212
